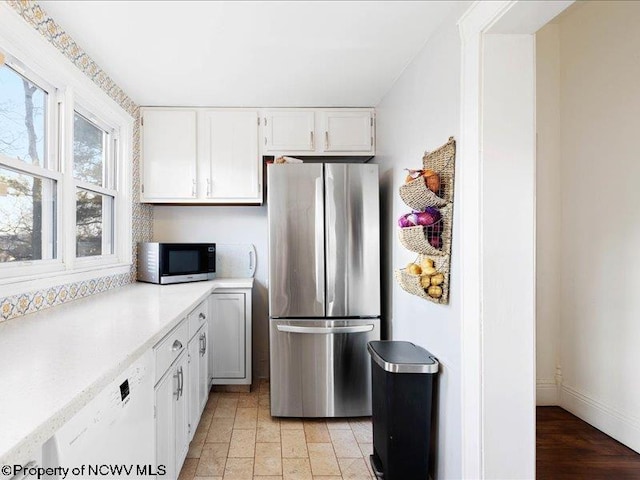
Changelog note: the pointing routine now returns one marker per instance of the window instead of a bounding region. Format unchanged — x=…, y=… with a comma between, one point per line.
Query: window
x=22, y=118
x=28, y=185
x=27, y=217
x=64, y=177
x=93, y=171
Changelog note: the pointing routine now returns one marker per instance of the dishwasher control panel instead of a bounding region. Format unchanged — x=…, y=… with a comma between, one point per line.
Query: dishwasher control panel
x=124, y=390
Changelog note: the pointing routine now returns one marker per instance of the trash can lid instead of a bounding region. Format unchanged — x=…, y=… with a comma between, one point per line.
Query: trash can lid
x=402, y=357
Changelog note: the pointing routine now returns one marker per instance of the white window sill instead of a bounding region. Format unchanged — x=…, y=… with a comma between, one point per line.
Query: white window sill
x=18, y=285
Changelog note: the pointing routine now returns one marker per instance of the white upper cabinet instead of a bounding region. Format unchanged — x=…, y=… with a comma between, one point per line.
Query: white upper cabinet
x=347, y=131
x=169, y=153
x=325, y=132
x=229, y=162
x=201, y=155
x=289, y=131
x=214, y=155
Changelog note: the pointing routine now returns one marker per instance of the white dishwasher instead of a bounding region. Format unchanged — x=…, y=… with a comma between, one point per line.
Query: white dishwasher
x=113, y=435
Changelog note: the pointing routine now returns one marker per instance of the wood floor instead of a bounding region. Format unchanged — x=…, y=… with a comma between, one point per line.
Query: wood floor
x=570, y=449
x=238, y=440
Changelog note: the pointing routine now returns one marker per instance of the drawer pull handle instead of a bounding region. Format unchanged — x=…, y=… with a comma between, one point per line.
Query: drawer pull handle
x=202, y=316
x=180, y=377
x=177, y=345
x=203, y=344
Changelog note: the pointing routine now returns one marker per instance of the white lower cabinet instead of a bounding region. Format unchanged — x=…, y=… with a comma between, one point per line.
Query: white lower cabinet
x=230, y=337
x=182, y=388
x=211, y=346
x=171, y=412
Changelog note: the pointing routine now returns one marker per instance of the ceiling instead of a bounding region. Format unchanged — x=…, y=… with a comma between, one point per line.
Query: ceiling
x=291, y=53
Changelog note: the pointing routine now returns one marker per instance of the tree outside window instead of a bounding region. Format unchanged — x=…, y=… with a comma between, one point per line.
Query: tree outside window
x=22, y=137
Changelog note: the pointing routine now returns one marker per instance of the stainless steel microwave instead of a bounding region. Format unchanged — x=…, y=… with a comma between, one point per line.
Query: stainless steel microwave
x=165, y=263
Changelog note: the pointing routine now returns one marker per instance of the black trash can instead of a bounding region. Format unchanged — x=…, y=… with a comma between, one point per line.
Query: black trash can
x=403, y=388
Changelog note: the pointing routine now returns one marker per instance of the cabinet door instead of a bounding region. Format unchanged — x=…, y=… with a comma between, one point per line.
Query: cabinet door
x=193, y=398
x=181, y=412
x=227, y=325
x=230, y=160
x=169, y=154
x=203, y=370
x=289, y=131
x=166, y=392
x=348, y=131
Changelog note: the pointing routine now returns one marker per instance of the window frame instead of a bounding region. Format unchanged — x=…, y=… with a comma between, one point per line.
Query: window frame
x=50, y=169
x=68, y=89
x=109, y=169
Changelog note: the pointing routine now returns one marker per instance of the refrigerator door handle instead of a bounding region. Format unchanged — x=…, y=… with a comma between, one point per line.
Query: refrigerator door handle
x=324, y=330
x=319, y=241
x=331, y=231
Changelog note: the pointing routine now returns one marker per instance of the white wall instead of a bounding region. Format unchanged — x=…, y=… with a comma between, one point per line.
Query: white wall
x=600, y=233
x=508, y=245
x=226, y=225
x=548, y=215
x=420, y=113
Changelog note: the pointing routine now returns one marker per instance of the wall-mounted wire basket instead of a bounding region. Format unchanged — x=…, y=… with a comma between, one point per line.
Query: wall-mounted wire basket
x=416, y=239
x=417, y=196
x=413, y=283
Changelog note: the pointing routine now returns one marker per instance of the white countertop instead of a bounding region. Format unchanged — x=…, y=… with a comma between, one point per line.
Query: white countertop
x=54, y=362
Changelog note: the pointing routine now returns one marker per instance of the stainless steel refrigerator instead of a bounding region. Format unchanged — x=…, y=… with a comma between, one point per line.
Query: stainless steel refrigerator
x=324, y=287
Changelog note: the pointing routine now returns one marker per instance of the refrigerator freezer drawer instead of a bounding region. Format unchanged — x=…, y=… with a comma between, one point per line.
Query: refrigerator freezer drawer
x=321, y=368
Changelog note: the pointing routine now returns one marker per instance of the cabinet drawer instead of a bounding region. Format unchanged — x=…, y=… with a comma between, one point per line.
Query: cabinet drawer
x=197, y=318
x=170, y=348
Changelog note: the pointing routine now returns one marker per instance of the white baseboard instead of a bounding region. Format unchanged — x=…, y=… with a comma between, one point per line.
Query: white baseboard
x=614, y=423
x=546, y=393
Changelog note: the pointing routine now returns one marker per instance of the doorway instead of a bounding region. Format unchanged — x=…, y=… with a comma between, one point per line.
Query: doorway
x=497, y=154
x=587, y=104
x=498, y=236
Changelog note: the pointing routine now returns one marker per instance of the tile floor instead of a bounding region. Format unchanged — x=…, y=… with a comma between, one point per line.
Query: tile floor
x=237, y=439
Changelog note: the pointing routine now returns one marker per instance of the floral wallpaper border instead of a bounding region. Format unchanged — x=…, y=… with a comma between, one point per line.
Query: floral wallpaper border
x=142, y=215
x=35, y=15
